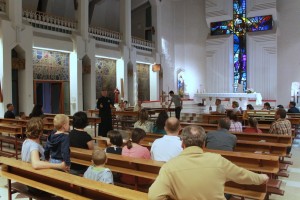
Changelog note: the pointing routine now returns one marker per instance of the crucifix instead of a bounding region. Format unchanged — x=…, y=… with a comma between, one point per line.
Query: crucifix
x=239, y=26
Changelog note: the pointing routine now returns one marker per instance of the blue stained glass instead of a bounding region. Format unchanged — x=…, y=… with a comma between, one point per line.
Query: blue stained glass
x=221, y=28
x=239, y=26
x=262, y=23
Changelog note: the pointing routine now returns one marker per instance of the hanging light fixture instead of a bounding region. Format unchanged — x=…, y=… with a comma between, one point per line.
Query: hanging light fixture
x=156, y=67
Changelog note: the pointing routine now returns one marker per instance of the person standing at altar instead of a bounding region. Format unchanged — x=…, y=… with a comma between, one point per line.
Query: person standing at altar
x=220, y=109
x=104, y=104
x=177, y=102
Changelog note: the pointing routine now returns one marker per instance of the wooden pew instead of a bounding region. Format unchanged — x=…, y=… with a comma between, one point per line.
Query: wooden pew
x=283, y=139
x=149, y=169
x=15, y=131
x=63, y=184
x=261, y=147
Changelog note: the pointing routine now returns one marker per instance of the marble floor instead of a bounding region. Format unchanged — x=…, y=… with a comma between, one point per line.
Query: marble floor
x=291, y=185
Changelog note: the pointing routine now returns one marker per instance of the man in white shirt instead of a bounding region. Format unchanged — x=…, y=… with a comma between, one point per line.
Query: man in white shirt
x=169, y=145
x=220, y=109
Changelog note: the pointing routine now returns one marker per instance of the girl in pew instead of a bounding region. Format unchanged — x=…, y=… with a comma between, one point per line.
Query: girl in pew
x=32, y=151
x=57, y=148
x=253, y=126
x=97, y=171
x=135, y=150
x=115, y=142
x=79, y=138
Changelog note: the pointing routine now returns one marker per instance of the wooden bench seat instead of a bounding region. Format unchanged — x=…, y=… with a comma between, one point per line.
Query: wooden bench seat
x=275, y=138
x=149, y=168
x=261, y=147
x=63, y=184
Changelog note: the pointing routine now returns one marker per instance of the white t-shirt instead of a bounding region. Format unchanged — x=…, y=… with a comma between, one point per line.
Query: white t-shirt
x=165, y=148
x=29, y=146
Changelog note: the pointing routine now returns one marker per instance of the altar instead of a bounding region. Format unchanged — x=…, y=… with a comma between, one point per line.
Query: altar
x=242, y=98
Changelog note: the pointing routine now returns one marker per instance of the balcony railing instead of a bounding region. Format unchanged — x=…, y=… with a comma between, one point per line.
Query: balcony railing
x=104, y=35
x=2, y=5
x=49, y=22
x=141, y=44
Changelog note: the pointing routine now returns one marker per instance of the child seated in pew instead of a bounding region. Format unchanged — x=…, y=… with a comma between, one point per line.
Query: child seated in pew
x=33, y=152
x=57, y=148
x=134, y=149
x=97, y=171
x=253, y=126
x=115, y=142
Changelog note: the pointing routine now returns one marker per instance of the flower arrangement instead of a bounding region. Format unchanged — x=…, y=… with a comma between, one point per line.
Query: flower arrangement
x=250, y=90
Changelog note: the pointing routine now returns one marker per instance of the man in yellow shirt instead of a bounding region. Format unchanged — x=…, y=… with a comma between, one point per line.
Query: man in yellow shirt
x=198, y=175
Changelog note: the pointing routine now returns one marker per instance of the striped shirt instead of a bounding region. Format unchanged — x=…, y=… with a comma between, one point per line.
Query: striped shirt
x=235, y=126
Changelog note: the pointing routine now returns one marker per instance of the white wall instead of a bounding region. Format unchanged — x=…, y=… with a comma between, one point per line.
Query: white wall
x=288, y=48
x=184, y=31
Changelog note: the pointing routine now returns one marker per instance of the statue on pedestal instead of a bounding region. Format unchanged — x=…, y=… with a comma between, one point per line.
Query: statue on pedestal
x=116, y=92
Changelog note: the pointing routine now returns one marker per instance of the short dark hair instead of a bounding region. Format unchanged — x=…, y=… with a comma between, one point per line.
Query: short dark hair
x=8, y=105
x=281, y=112
x=115, y=138
x=249, y=106
x=99, y=157
x=280, y=106
x=171, y=92
x=267, y=104
x=80, y=120
x=224, y=123
x=193, y=136
x=293, y=103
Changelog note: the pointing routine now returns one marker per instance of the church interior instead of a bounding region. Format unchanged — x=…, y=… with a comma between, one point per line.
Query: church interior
x=62, y=54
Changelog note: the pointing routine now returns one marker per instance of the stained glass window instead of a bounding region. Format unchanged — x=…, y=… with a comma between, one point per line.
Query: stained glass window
x=239, y=26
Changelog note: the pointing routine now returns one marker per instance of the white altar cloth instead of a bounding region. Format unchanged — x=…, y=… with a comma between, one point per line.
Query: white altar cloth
x=198, y=97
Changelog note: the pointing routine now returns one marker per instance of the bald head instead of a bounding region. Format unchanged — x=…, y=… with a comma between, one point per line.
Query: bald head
x=172, y=126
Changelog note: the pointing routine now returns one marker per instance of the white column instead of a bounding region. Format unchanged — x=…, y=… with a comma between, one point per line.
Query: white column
x=82, y=16
x=125, y=21
x=14, y=8
x=127, y=51
x=13, y=33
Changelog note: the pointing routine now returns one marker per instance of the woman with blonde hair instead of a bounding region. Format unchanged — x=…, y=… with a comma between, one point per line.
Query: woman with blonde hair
x=143, y=122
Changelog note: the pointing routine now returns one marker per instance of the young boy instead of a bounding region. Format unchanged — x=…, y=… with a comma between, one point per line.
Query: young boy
x=57, y=148
x=97, y=171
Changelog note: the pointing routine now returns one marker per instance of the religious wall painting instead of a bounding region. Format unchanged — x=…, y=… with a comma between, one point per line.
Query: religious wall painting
x=180, y=82
x=105, y=76
x=143, y=81
x=50, y=65
x=51, y=80
x=239, y=26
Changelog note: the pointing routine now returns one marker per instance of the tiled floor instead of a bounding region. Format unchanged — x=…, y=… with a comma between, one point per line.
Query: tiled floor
x=291, y=185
